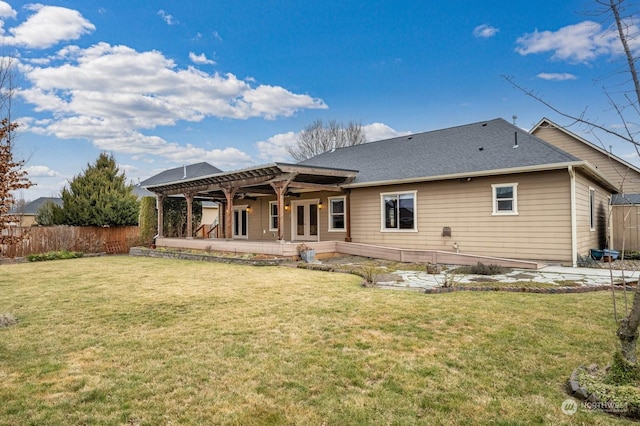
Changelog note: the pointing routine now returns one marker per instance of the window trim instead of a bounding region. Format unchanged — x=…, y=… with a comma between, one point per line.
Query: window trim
x=494, y=198
x=330, y=213
x=271, y=216
x=414, y=193
x=592, y=209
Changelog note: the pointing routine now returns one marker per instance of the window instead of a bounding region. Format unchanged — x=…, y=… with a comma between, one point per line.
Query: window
x=592, y=209
x=337, y=213
x=273, y=215
x=505, y=198
x=399, y=211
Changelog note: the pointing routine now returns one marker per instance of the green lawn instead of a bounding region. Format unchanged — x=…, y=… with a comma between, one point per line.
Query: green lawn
x=120, y=340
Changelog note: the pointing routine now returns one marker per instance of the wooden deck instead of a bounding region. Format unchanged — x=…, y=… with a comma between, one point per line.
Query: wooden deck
x=326, y=249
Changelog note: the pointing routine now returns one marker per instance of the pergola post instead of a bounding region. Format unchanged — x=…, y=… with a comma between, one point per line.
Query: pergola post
x=280, y=189
x=160, y=207
x=189, y=198
x=229, y=193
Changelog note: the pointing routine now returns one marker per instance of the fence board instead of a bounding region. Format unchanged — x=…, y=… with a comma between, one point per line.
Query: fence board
x=626, y=224
x=88, y=239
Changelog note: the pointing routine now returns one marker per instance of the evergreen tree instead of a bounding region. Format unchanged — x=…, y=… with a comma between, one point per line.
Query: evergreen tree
x=148, y=219
x=100, y=197
x=50, y=214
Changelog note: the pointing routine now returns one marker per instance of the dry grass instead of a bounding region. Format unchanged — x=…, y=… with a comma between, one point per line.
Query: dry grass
x=122, y=340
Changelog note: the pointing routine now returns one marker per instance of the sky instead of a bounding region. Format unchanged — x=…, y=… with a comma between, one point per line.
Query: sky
x=160, y=84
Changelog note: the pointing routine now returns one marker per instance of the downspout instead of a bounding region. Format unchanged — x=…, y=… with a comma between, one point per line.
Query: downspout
x=574, y=220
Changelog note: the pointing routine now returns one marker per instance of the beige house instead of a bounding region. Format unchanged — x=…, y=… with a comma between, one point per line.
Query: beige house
x=624, y=216
x=28, y=212
x=482, y=189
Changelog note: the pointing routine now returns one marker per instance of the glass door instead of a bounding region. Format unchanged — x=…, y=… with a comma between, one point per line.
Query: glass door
x=240, y=222
x=305, y=220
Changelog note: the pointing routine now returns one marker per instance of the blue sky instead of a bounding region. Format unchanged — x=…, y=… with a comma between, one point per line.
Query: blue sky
x=162, y=84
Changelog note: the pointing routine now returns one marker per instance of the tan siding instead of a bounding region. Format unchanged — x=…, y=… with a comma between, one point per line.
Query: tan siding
x=541, y=230
x=618, y=174
x=588, y=238
x=259, y=217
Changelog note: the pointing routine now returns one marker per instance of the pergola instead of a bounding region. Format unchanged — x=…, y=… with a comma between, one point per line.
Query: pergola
x=276, y=178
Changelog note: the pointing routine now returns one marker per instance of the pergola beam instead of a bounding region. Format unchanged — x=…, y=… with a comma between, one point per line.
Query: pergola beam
x=218, y=186
x=315, y=186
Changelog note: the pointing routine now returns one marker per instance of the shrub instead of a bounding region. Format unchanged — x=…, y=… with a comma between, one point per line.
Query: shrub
x=622, y=372
x=148, y=220
x=369, y=271
x=54, y=255
x=586, y=261
x=632, y=255
x=482, y=269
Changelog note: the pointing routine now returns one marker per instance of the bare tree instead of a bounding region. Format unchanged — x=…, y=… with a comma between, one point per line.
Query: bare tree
x=626, y=104
x=319, y=137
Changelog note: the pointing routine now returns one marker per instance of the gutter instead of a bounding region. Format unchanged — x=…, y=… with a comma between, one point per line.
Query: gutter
x=574, y=220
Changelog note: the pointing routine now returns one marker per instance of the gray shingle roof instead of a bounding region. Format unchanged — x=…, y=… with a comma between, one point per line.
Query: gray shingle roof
x=141, y=192
x=625, y=199
x=470, y=148
x=178, y=173
x=32, y=207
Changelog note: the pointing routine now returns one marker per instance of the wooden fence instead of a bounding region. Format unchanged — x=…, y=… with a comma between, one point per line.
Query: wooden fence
x=625, y=222
x=88, y=239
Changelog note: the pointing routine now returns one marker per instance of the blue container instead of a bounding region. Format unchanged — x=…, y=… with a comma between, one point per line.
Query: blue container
x=599, y=254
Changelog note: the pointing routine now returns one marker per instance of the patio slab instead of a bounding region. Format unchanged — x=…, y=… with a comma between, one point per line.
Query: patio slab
x=551, y=275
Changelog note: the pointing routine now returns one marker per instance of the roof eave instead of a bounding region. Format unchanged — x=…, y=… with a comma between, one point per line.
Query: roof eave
x=484, y=173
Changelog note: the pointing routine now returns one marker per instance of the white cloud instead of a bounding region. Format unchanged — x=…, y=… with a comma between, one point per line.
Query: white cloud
x=47, y=26
x=484, y=31
x=276, y=147
x=273, y=101
x=380, y=131
x=577, y=43
x=168, y=19
x=110, y=94
x=41, y=171
x=6, y=11
x=200, y=59
x=216, y=36
x=556, y=76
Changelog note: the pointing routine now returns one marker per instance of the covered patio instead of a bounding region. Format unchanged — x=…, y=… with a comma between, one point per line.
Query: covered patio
x=277, y=180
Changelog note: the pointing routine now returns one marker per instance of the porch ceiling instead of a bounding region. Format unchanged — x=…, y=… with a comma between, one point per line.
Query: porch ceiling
x=257, y=180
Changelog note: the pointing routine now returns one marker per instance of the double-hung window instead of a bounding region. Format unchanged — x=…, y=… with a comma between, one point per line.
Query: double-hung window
x=337, y=213
x=399, y=211
x=505, y=198
x=273, y=215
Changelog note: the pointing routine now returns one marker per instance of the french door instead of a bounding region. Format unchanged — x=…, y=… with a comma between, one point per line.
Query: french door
x=240, y=222
x=305, y=220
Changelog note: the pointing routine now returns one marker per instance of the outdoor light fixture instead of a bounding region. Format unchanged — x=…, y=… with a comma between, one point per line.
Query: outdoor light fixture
x=286, y=207
x=248, y=209
x=320, y=205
